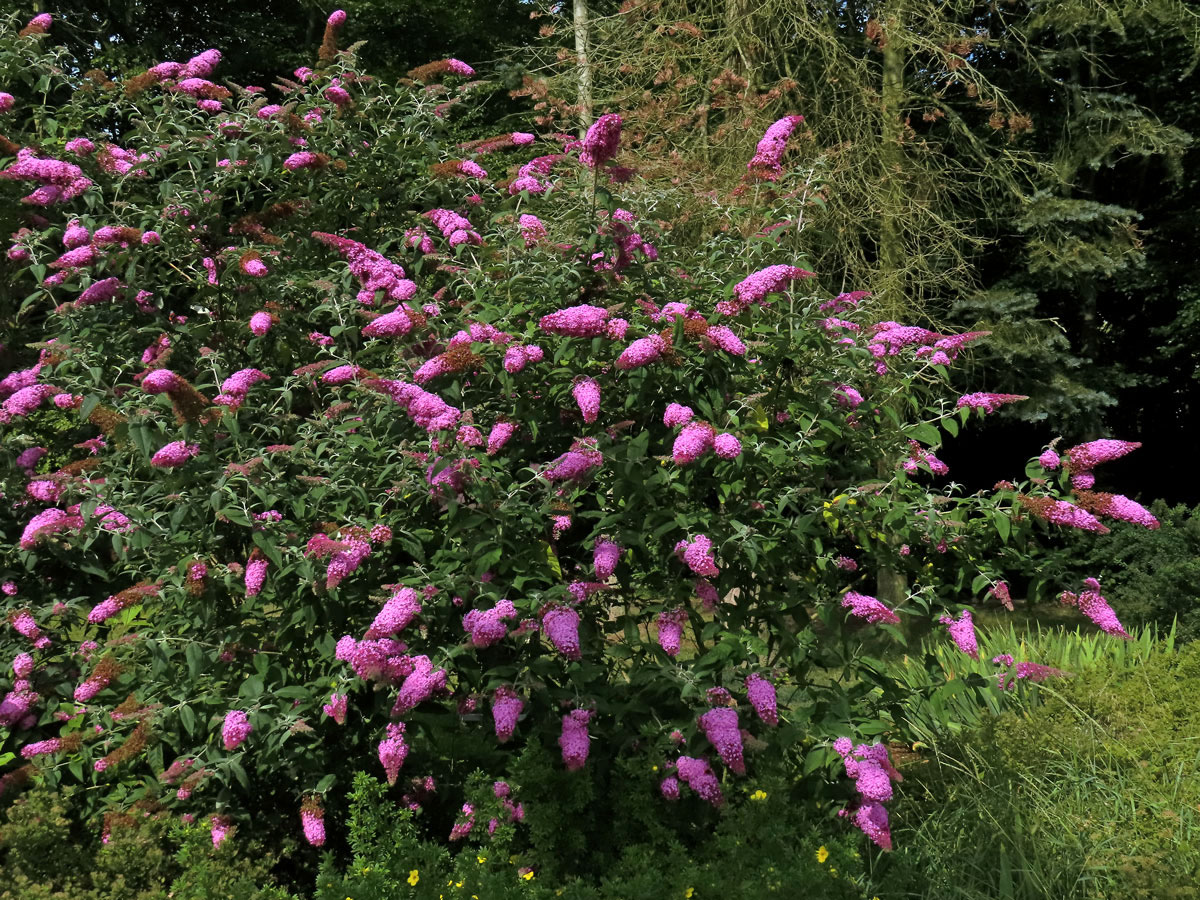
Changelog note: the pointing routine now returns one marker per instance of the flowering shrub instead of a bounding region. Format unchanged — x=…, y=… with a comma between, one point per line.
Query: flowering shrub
x=388, y=461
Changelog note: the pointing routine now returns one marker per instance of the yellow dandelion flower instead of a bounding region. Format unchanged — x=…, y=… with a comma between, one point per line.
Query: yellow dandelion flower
x=414, y=876
x=822, y=854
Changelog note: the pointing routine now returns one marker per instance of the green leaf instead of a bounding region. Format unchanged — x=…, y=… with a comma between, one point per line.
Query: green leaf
x=1003, y=525
x=925, y=433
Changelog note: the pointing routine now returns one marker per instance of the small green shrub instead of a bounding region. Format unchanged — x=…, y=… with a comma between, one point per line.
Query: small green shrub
x=46, y=854
x=767, y=844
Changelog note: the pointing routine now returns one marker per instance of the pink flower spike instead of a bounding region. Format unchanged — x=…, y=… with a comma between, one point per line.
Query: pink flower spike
x=587, y=395
x=962, y=632
x=235, y=729
x=575, y=741
x=869, y=608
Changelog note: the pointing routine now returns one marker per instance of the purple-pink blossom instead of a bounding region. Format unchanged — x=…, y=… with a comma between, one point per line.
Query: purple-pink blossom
x=642, y=352
x=499, y=436
x=699, y=776
x=1049, y=460
x=696, y=439
x=576, y=464
x=506, y=709
x=1085, y=457
x=697, y=553
x=869, y=608
x=767, y=162
x=727, y=446
x=393, y=751
x=574, y=740
x=720, y=726
x=174, y=455
x=1095, y=607
x=561, y=625
x=419, y=685
x=755, y=287
x=989, y=403
x=583, y=320
x=487, y=626
x=48, y=521
x=532, y=229
x=235, y=729
x=336, y=708
x=760, y=692
x=399, y=610
x=26, y=400
x=605, y=556
x=962, y=632
x=587, y=395
x=670, y=630
x=312, y=821
x=1060, y=512
x=872, y=819
x=601, y=142
x=261, y=322
x=677, y=415
x=723, y=337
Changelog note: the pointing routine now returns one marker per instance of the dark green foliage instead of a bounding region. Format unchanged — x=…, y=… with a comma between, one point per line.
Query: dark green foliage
x=262, y=39
x=1151, y=577
x=765, y=844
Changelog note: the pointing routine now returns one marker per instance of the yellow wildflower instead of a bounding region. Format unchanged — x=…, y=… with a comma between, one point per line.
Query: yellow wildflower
x=414, y=876
x=822, y=854
x=759, y=795
x=688, y=893
x=481, y=859
x=528, y=876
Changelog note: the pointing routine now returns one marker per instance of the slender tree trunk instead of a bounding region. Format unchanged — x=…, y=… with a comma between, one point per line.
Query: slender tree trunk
x=584, y=65
x=739, y=32
x=892, y=585
x=891, y=236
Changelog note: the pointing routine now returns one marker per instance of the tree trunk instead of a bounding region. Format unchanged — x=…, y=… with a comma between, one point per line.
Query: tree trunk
x=891, y=155
x=891, y=585
x=584, y=65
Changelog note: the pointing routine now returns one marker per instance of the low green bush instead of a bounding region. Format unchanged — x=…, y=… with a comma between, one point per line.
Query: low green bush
x=766, y=844
x=1093, y=793
x=45, y=854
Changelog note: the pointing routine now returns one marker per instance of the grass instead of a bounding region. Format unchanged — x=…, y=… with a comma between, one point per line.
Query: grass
x=1091, y=793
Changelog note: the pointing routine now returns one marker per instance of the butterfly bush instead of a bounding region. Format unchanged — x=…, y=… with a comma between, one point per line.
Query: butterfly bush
x=328, y=442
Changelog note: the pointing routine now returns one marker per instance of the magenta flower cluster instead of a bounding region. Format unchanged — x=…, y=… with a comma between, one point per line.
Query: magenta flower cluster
x=1092, y=604
x=720, y=727
x=235, y=729
x=697, y=554
x=574, y=740
x=962, y=632
x=869, y=608
x=767, y=162
x=601, y=141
